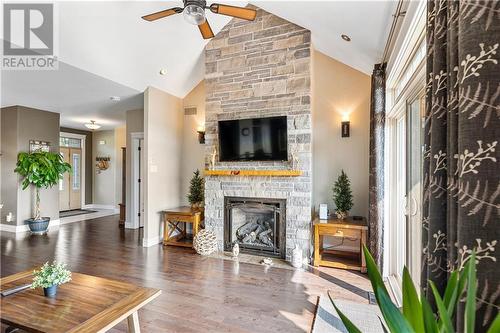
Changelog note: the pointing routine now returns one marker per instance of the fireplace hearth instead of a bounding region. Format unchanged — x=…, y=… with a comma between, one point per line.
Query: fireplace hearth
x=256, y=224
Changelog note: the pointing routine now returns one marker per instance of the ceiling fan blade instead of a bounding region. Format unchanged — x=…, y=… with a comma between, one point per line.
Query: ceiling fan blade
x=162, y=14
x=243, y=13
x=206, y=30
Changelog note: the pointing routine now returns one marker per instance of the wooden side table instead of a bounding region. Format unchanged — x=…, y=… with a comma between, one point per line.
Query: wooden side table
x=176, y=219
x=354, y=229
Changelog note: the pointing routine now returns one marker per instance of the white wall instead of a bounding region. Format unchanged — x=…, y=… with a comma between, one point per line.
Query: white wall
x=163, y=142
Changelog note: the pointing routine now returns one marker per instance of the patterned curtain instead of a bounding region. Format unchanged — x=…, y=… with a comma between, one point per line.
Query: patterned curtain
x=376, y=178
x=461, y=159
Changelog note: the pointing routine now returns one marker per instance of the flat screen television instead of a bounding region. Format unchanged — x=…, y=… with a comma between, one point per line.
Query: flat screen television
x=257, y=139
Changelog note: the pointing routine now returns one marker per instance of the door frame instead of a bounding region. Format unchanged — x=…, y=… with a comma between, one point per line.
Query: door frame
x=82, y=137
x=135, y=175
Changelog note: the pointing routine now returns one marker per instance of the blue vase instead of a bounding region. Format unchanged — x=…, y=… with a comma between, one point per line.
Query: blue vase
x=50, y=291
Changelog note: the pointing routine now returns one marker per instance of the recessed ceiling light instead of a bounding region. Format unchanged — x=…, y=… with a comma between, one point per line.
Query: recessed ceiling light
x=346, y=38
x=163, y=71
x=115, y=98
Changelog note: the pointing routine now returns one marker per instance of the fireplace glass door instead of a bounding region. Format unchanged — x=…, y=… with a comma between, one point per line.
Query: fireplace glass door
x=256, y=225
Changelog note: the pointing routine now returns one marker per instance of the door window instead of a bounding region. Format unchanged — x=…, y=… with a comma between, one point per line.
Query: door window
x=76, y=172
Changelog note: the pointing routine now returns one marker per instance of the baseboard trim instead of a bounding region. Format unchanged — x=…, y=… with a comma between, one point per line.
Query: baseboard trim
x=130, y=225
x=24, y=227
x=97, y=206
x=148, y=242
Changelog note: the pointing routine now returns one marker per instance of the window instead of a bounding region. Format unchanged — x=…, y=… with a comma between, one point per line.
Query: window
x=76, y=172
x=70, y=142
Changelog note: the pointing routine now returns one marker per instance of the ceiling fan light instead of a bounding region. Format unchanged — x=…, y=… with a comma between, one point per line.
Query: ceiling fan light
x=92, y=125
x=194, y=14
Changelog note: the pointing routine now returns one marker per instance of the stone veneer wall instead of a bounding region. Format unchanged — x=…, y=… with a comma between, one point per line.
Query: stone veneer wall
x=260, y=69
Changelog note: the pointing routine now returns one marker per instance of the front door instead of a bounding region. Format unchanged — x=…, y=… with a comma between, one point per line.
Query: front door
x=70, y=187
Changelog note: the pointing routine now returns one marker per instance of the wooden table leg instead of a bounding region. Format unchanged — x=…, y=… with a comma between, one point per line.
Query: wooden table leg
x=133, y=323
x=362, y=242
x=165, y=229
x=316, y=246
x=196, y=223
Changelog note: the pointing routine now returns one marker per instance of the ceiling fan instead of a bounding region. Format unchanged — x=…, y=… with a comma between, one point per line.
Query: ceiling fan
x=194, y=13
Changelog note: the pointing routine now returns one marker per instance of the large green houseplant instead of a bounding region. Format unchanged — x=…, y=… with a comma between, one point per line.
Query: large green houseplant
x=41, y=170
x=417, y=314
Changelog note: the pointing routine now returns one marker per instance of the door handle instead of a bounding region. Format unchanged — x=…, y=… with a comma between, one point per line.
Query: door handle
x=414, y=202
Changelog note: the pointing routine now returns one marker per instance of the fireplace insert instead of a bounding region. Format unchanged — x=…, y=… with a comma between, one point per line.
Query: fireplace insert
x=256, y=224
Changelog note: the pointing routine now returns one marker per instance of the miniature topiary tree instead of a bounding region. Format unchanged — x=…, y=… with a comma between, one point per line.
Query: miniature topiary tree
x=342, y=196
x=196, y=194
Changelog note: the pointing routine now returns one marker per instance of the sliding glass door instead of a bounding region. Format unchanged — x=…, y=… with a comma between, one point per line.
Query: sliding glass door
x=414, y=116
x=405, y=195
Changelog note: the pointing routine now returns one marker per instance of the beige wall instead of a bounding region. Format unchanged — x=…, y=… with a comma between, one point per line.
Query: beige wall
x=19, y=126
x=135, y=124
x=163, y=142
x=192, y=151
x=8, y=148
x=120, y=141
x=339, y=89
x=107, y=183
x=104, y=181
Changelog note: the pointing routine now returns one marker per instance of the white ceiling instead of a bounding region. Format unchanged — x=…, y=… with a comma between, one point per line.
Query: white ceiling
x=79, y=96
x=366, y=22
x=110, y=40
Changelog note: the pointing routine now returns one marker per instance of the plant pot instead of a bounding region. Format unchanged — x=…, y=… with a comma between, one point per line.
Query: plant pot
x=341, y=215
x=50, y=291
x=38, y=227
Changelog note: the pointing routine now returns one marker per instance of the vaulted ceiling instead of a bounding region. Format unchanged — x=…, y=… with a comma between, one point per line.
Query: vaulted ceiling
x=110, y=41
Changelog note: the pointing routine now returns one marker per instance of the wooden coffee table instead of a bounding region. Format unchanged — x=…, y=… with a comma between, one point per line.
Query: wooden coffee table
x=85, y=304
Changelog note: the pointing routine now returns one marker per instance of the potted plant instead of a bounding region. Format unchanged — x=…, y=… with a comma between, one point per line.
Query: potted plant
x=342, y=196
x=49, y=277
x=42, y=170
x=196, y=194
x=417, y=314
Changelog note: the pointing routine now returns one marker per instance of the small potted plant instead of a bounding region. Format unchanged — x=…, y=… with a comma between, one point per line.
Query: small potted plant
x=342, y=196
x=49, y=277
x=196, y=194
x=42, y=170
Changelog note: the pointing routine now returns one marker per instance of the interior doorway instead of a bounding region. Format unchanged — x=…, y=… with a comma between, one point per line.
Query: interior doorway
x=71, y=187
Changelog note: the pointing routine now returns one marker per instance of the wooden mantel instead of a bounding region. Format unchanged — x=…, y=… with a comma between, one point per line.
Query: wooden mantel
x=258, y=173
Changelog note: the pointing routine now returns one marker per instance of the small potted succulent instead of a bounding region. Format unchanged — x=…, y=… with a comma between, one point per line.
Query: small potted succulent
x=49, y=277
x=42, y=170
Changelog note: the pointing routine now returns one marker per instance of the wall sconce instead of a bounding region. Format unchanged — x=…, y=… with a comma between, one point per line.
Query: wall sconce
x=201, y=134
x=346, y=126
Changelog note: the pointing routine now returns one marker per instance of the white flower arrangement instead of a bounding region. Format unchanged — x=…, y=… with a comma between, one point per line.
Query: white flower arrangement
x=50, y=275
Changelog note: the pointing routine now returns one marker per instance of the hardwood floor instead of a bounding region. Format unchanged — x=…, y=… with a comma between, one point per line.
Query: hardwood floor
x=199, y=294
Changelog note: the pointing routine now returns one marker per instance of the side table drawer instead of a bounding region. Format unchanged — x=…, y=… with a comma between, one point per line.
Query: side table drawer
x=339, y=232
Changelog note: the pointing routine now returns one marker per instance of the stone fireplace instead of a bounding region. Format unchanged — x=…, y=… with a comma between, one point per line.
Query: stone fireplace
x=256, y=225
x=261, y=69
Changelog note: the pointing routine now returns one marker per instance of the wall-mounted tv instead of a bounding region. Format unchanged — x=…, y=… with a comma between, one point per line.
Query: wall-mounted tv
x=257, y=139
